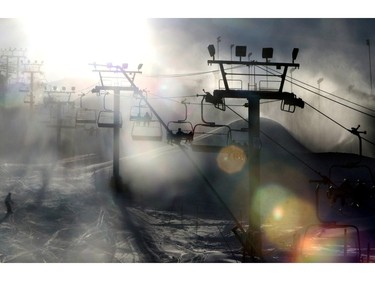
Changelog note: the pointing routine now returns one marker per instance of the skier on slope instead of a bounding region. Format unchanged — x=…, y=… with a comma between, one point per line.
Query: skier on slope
x=8, y=203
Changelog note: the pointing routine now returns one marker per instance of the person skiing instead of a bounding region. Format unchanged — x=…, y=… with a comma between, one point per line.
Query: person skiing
x=8, y=203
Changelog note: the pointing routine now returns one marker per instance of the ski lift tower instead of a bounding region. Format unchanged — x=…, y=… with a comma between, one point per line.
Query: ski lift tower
x=116, y=122
x=57, y=99
x=253, y=240
x=32, y=68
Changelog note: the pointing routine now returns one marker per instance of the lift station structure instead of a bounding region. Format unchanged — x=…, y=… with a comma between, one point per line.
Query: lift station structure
x=252, y=239
x=114, y=119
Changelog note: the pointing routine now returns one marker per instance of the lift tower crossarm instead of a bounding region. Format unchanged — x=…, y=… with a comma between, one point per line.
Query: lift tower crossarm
x=253, y=63
x=97, y=89
x=278, y=65
x=269, y=95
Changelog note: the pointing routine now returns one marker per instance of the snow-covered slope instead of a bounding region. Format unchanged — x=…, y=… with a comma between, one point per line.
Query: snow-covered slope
x=182, y=206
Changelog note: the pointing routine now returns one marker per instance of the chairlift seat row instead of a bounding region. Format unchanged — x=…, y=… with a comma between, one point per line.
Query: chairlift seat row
x=139, y=113
x=207, y=140
x=180, y=135
x=185, y=126
x=220, y=131
x=147, y=131
x=106, y=119
x=62, y=123
x=86, y=116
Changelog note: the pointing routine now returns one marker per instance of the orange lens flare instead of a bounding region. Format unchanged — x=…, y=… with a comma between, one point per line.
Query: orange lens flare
x=278, y=213
x=231, y=159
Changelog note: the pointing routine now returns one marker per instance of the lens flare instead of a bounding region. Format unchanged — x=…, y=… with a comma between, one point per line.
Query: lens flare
x=282, y=212
x=231, y=159
x=322, y=243
x=278, y=213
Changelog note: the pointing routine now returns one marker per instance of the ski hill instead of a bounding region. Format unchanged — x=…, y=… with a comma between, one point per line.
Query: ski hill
x=180, y=205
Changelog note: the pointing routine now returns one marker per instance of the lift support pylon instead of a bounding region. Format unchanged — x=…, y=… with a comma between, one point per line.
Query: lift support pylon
x=116, y=179
x=253, y=237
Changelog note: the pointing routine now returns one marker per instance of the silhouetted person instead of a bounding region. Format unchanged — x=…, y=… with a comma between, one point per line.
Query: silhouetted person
x=343, y=192
x=8, y=203
x=180, y=132
x=147, y=119
x=189, y=136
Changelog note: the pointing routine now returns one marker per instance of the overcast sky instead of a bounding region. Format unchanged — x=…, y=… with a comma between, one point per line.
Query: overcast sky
x=174, y=39
x=333, y=48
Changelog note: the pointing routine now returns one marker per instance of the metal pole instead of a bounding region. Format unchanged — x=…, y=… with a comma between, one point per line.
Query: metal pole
x=59, y=125
x=7, y=70
x=254, y=174
x=248, y=58
x=369, y=58
x=116, y=137
x=218, y=41
x=31, y=92
x=32, y=71
x=231, y=69
x=218, y=54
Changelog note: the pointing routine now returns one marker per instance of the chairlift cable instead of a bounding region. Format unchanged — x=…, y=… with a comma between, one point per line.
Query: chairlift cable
x=340, y=103
x=270, y=71
x=334, y=121
x=154, y=111
x=198, y=103
x=369, y=109
x=178, y=75
x=368, y=141
x=176, y=97
x=281, y=146
x=321, y=90
x=199, y=171
x=325, y=115
x=172, y=98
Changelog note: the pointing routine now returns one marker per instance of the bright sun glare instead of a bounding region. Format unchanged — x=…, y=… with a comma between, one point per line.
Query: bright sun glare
x=68, y=45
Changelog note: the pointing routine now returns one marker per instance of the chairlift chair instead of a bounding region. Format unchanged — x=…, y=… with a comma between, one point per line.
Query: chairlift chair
x=86, y=116
x=211, y=137
x=57, y=97
x=138, y=112
x=150, y=130
x=106, y=119
x=356, y=189
x=240, y=137
x=180, y=129
x=334, y=243
x=145, y=126
x=327, y=241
